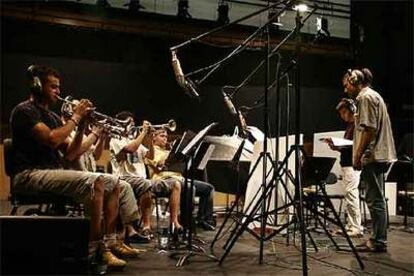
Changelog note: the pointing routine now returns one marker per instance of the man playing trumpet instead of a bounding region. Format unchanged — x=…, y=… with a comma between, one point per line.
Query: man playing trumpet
x=38, y=136
x=128, y=156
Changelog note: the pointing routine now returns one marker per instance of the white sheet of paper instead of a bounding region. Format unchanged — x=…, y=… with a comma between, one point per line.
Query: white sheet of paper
x=340, y=142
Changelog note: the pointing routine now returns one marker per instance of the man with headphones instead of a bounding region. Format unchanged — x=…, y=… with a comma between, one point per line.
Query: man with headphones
x=373, y=151
x=39, y=136
x=346, y=109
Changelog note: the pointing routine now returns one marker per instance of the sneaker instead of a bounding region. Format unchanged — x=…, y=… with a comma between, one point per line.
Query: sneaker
x=122, y=250
x=112, y=261
x=139, y=238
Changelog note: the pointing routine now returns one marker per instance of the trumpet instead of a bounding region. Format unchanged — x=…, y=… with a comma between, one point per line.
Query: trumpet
x=115, y=127
x=171, y=125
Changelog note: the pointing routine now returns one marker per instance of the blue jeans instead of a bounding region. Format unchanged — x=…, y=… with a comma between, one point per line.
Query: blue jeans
x=373, y=176
x=205, y=192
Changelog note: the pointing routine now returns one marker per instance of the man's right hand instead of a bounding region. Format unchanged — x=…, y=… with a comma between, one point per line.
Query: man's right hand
x=82, y=110
x=146, y=127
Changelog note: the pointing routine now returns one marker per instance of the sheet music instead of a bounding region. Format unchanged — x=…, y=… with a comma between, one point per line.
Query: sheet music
x=226, y=147
x=206, y=157
x=197, y=138
x=338, y=142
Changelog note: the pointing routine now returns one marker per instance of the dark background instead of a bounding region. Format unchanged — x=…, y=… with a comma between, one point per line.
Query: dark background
x=121, y=71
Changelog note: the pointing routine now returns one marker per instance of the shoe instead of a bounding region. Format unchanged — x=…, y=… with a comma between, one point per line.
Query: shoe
x=96, y=264
x=370, y=247
x=139, y=238
x=351, y=233
x=112, y=261
x=147, y=233
x=177, y=232
x=122, y=250
x=354, y=234
x=206, y=226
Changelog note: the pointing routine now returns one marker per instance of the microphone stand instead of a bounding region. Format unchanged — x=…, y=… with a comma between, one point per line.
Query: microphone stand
x=213, y=67
x=266, y=189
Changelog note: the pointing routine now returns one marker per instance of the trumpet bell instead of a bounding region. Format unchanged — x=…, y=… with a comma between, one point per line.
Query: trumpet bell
x=172, y=125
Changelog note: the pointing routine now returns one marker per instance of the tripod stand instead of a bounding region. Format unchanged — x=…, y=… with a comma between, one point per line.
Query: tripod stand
x=297, y=202
x=187, y=154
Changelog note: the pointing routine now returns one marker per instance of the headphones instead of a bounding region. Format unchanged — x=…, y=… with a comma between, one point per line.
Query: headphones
x=347, y=103
x=35, y=83
x=355, y=76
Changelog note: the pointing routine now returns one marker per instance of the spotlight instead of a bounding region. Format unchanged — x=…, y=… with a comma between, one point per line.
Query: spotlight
x=102, y=4
x=223, y=12
x=301, y=8
x=134, y=5
x=322, y=27
x=183, y=9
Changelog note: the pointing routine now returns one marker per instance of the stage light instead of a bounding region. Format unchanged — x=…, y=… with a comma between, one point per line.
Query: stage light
x=183, y=7
x=223, y=12
x=301, y=8
x=134, y=5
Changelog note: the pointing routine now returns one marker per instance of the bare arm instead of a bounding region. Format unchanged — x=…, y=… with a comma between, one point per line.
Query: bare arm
x=134, y=145
x=73, y=149
x=97, y=153
x=56, y=137
x=368, y=134
x=53, y=137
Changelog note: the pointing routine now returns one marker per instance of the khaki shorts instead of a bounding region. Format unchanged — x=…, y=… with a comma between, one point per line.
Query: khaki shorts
x=77, y=185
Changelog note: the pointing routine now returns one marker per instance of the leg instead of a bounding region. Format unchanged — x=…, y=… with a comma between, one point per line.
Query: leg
x=145, y=203
x=372, y=174
x=140, y=188
x=96, y=208
x=84, y=187
x=112, y=210
x=205, y=192
x=175, y=203
x=351, y=181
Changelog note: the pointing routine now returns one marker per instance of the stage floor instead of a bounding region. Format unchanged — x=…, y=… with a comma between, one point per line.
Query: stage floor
x=283, y=260
x=280, y=259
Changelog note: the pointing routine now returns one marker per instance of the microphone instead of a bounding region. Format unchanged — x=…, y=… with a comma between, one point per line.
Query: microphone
x=229, y=104
x=188, y=86
x=179, y=75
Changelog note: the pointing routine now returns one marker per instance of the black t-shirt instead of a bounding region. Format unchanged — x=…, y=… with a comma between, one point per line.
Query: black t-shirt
x=346, y=153
x=29, y=153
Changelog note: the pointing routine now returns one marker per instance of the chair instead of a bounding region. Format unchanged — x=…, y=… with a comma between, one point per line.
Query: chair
x=47, y=204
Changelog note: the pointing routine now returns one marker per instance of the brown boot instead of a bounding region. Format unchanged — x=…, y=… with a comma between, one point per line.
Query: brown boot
x=122, y=250
x=112, y=261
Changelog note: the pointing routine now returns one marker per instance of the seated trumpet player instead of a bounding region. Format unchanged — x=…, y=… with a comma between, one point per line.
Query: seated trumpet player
x=158, y=170
x=38, y=134
x=128, y=155
x=89, y=152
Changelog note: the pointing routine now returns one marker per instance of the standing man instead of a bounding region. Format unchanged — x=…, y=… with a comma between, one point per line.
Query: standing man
x=373, y=151
x=347, y=109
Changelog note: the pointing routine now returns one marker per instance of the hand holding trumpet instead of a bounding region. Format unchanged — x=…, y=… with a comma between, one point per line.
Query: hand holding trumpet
x=82, y=110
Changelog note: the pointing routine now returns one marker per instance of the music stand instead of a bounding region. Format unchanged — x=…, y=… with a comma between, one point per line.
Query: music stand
x=186, y=151
x=402, y=172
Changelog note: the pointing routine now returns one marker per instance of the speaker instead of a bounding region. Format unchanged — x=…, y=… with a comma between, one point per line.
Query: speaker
x=43, y=245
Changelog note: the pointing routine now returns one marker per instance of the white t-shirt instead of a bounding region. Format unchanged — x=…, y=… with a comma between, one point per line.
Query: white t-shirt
x=128, y=164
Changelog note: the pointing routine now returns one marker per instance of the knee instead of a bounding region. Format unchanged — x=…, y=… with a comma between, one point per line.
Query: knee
x=99, y=187
x=176, y=187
